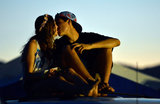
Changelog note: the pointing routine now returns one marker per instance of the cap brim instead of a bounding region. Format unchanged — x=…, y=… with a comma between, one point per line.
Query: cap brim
x=77, y=26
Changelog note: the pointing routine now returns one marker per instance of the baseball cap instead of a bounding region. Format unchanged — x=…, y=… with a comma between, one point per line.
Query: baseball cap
x=72, y=17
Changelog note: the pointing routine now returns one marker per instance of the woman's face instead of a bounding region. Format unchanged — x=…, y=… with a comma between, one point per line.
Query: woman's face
x=55, y=29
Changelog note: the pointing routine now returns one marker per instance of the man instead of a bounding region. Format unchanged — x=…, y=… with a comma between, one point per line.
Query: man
x=94, y=50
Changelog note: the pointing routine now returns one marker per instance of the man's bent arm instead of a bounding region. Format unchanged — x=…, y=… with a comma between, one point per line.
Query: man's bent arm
x=108, y=43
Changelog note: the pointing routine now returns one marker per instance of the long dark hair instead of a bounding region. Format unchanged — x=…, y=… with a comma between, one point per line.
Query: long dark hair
x=44, y=35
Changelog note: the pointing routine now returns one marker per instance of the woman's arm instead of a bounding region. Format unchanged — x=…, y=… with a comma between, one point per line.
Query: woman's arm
x=30, y=58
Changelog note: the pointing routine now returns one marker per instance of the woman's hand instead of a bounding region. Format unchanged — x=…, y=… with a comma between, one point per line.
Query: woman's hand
x=52, y=72
x=82, y=47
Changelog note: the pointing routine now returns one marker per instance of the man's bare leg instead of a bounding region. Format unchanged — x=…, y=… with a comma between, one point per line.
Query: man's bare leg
x=104, y=66
x=82, y=85
x=72, y=60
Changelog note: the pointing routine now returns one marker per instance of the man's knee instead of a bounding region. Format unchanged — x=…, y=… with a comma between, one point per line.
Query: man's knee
x=107, y=51
x=68, y=48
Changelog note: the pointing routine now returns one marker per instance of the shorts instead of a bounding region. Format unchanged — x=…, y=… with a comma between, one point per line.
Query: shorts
x=89, y=59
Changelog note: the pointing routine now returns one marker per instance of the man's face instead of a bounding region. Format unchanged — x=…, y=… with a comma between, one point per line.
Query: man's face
x=65, y=29
x=62, y=26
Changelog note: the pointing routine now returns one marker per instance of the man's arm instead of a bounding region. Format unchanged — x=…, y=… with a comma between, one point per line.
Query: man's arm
x=108, y=43
x=90, y=41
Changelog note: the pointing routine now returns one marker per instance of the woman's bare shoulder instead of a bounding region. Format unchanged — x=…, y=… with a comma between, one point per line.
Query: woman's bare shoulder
x=33, y=44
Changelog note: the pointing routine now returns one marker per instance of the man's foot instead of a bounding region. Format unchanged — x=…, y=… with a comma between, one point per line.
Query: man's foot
x=93, y=91
x=105, y=88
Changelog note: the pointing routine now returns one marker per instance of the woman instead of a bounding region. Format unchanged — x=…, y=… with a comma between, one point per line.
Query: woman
x=42, y=77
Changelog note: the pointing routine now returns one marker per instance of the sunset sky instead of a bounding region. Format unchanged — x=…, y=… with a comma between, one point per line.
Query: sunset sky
x=135, y=22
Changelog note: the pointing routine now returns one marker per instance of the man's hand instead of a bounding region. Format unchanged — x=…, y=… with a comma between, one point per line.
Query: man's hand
x=82, y=47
